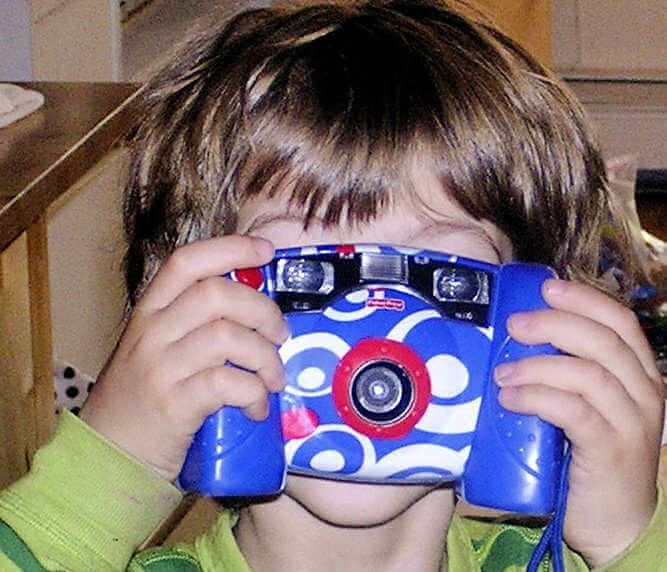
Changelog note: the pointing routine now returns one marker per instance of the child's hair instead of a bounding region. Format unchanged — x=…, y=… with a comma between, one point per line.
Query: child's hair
x=335, y=104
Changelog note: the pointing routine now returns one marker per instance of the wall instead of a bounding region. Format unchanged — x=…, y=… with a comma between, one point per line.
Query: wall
x=619, y=46
x=79, y=40
x=15, y=62
x=610, y=38
x=76, y=40
x=85, y=255
x=630, y=117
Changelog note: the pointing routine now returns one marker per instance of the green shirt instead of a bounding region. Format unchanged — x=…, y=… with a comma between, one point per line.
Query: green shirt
x=86, y=506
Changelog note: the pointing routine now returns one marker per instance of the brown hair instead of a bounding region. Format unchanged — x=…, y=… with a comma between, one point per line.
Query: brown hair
x=336, y=102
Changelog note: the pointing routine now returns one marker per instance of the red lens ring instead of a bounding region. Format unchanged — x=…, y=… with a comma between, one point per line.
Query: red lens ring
x=372, y=350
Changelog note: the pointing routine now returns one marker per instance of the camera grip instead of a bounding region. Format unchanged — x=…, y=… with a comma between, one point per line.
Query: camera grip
x=233, y=456
x=515, y=459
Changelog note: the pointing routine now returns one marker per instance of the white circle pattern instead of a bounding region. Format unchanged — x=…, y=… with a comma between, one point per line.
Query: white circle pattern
x=357, y=296
x=328, y=461
x=449, y=375
x=311, y=378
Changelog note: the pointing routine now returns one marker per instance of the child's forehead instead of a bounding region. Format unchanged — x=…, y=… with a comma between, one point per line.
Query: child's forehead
x=415, y=188
x=438, y=225
x=426, y=205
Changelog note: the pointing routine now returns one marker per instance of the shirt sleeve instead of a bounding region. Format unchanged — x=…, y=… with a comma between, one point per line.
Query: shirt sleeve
x=86, y=504
x=648, y=551
x=479, y=544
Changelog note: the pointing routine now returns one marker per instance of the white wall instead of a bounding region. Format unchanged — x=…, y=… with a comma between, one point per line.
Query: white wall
x=630, y=117
x=15, y=40
x=76, y=40
x=611, y=38
x=85, y=255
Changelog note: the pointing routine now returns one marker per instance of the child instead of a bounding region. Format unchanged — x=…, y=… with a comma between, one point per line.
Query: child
x=399, y=122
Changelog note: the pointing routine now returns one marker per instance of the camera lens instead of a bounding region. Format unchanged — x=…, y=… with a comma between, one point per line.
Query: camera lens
x=458, y=285
x=382, y=392
x=303, y=275
x=381, y=388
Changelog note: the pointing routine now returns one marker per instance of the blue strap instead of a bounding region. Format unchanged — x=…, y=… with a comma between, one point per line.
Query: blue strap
x=552, y=537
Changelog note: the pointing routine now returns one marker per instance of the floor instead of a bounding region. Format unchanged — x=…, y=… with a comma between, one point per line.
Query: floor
x=152, y=33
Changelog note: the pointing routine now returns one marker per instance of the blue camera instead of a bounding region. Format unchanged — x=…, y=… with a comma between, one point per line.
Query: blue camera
x=389, y=366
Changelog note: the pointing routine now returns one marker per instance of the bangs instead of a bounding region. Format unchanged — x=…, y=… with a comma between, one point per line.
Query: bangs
x=337, y=107
x=337, y=135
x=330, y=185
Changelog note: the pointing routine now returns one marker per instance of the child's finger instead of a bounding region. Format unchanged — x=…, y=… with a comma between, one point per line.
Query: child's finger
x=219, y=298
x=582, y=422
x=208, y=390
x=602, y=390
x=596, y=342
x=199, y=260
x=584, y=300
x=220, y=342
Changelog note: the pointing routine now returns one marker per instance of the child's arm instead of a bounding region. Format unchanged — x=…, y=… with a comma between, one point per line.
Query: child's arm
x=606, y=393
x=169, y=371
x=87, y=504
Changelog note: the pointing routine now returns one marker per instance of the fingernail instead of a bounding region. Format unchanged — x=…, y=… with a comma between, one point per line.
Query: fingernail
x=519, y=321
x=554, y=286
x=262, y=246
x=507, y=396
x=502, y=375
x=258, y=411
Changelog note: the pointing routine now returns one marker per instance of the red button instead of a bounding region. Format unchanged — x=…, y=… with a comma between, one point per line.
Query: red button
x=346, y=249
x=252, y=277
x=299, y=423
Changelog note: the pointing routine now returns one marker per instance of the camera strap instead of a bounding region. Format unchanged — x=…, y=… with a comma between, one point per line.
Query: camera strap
x=552, y=536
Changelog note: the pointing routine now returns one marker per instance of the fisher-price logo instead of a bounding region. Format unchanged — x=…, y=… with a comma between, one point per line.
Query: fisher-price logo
x=377, y=300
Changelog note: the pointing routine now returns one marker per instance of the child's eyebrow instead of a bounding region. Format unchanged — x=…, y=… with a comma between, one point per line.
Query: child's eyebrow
x=267, y=219
x=448, y=225
x=453, y=225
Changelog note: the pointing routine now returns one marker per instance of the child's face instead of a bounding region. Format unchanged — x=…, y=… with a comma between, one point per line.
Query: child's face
x=432, y=221
x=440, y=225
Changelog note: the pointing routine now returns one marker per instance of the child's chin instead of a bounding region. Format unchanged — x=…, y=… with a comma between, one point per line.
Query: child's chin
x=348, y=504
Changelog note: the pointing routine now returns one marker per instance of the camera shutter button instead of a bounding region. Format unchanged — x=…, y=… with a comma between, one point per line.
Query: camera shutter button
x=252, y=277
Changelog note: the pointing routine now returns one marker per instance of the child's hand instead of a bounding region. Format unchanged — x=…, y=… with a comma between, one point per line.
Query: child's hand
x=606, y=394
x=168, y=372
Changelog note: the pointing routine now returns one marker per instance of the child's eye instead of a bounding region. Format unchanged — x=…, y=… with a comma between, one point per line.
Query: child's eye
x=457, y=284
x=303, y=275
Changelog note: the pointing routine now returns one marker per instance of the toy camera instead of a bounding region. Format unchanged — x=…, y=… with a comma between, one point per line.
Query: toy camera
x=389, y=366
